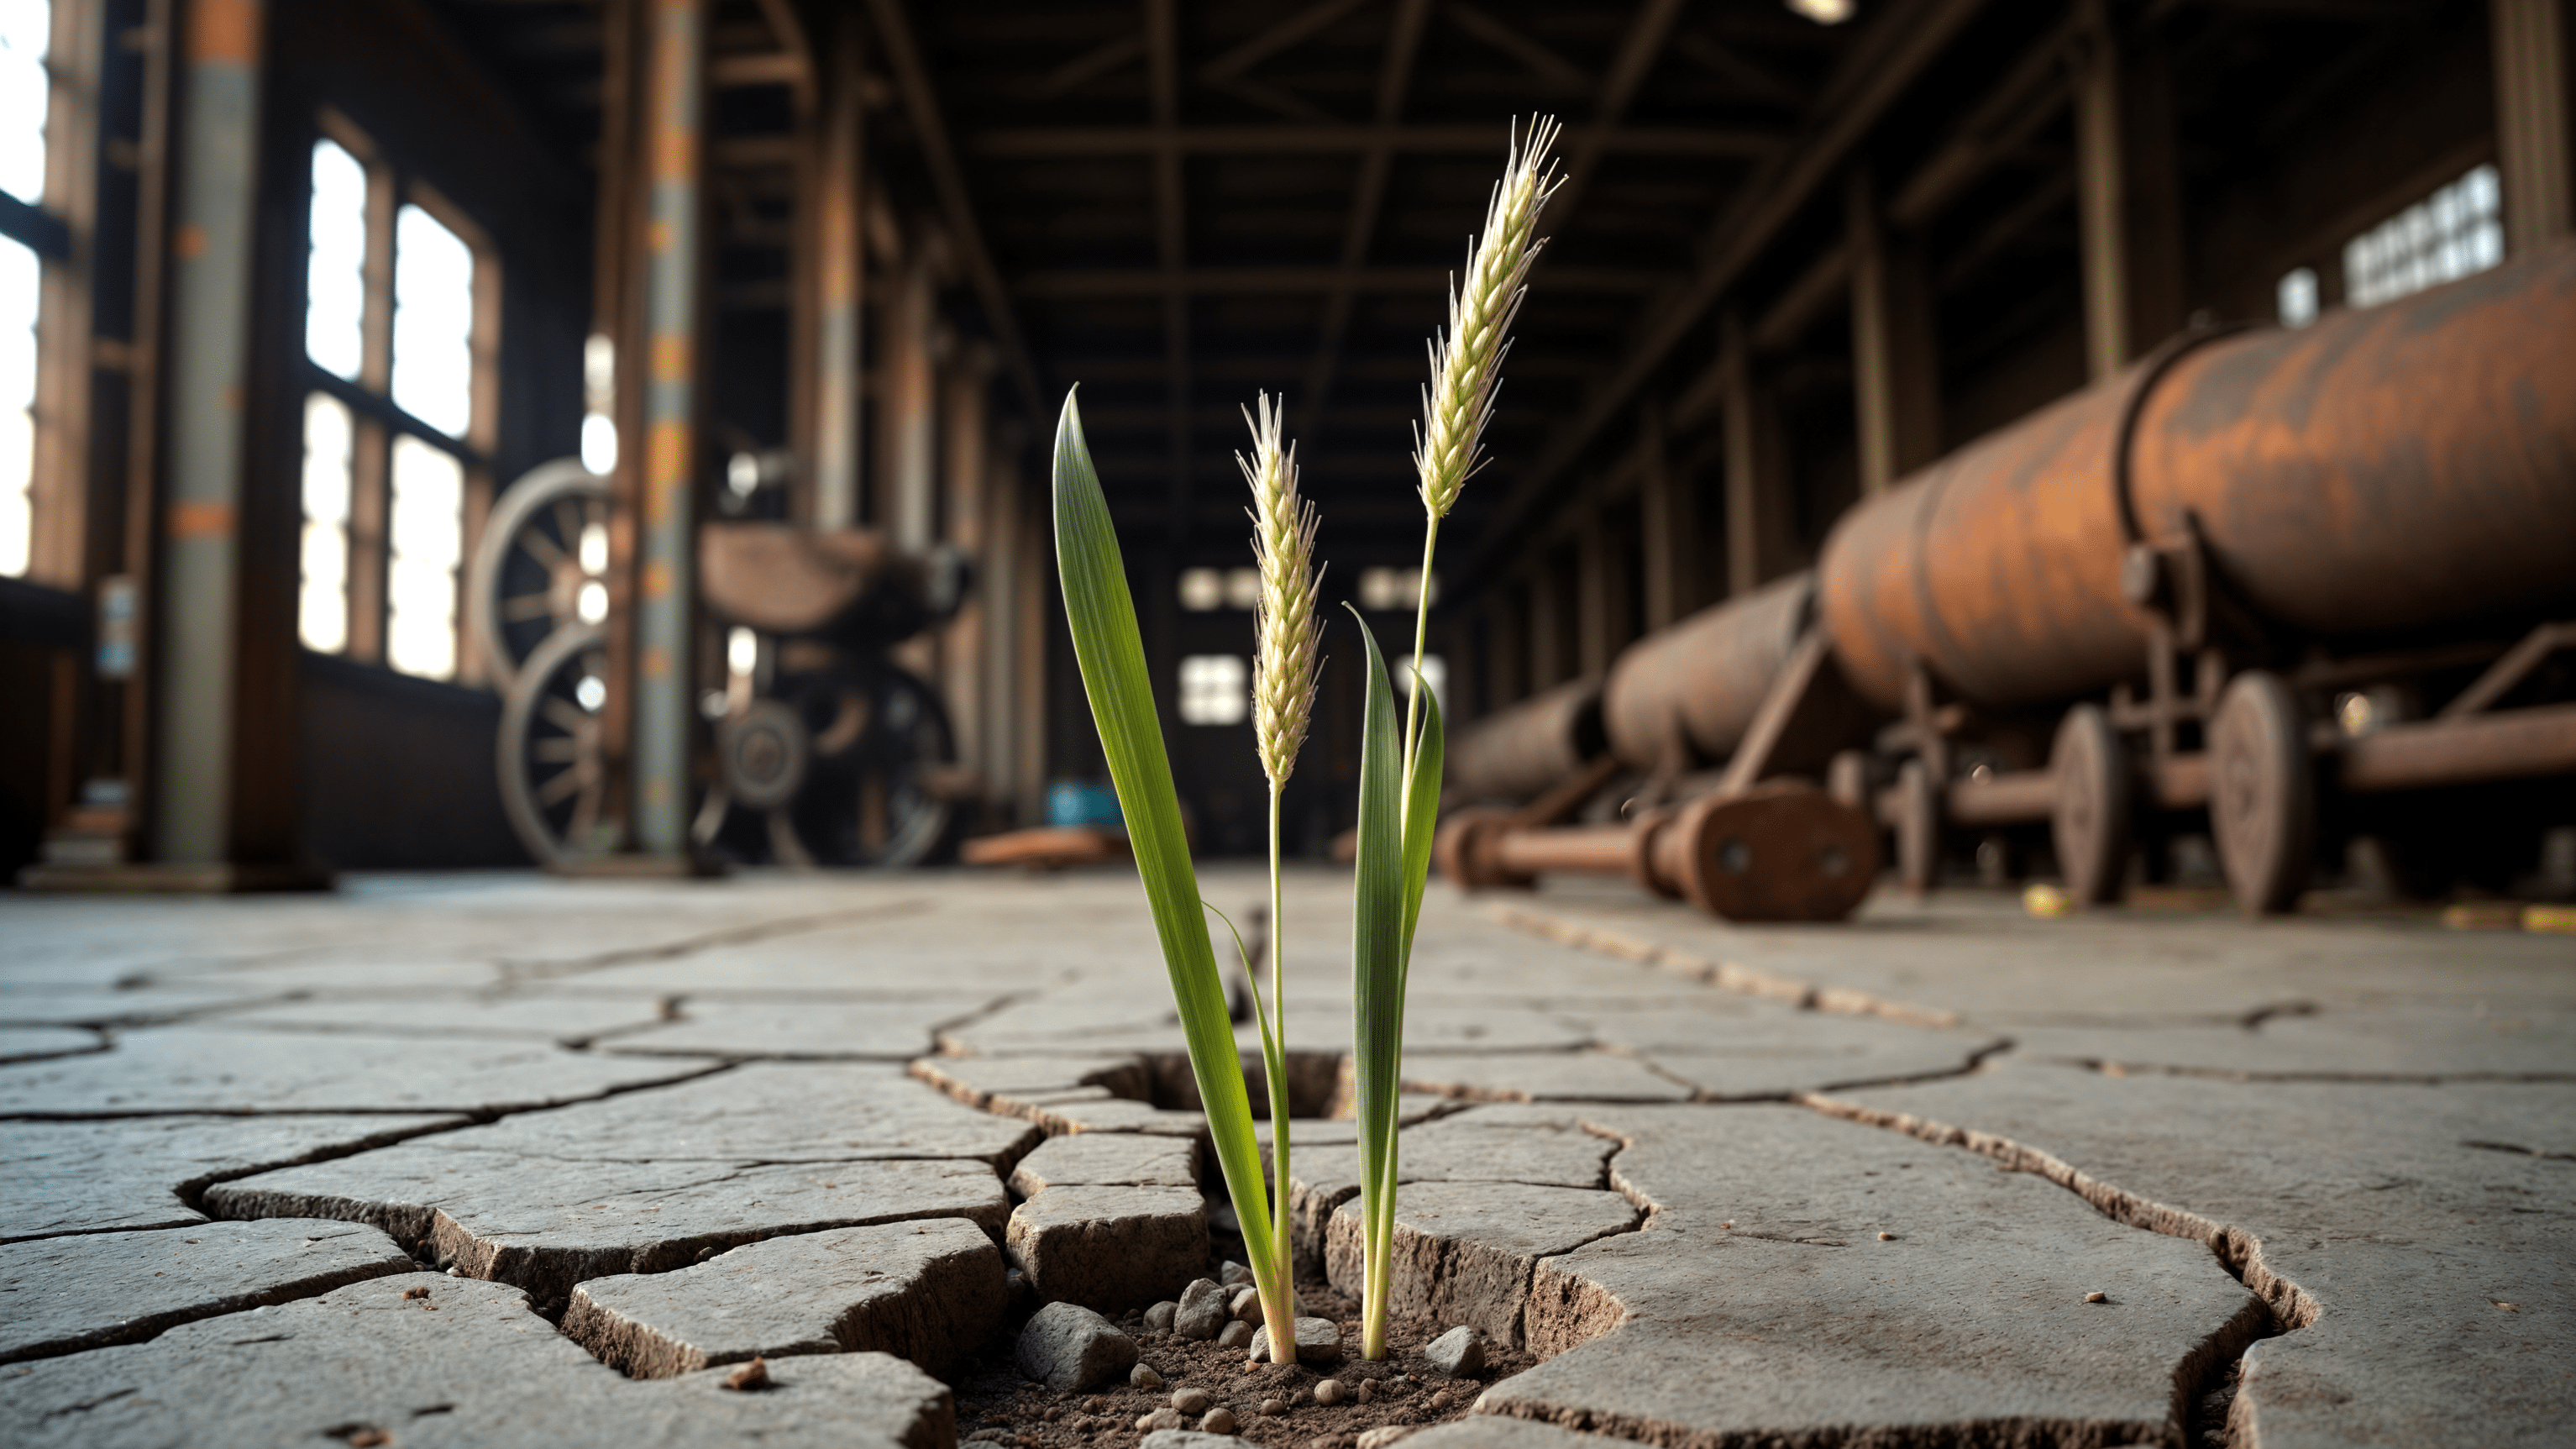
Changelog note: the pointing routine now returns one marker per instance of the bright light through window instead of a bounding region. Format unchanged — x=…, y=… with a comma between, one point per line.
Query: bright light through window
x=19, y=275
x=1435, y=672
x=425, y=529
x=433, y=322
x=1216, y=689
x=26, y=29
x=599, y=404
x=322, y=613
x=2298, y=297
x=2456, y=232
x=1386, y=588
x=335, y=268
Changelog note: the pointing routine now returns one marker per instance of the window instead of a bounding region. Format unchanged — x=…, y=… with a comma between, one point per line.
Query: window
x=2298, y=294
x=1206, y=589
x=1216, y=689
x=2456, y=232
x=1386, y=588
x=599, y=405
x=397, y=325
x=26, y=28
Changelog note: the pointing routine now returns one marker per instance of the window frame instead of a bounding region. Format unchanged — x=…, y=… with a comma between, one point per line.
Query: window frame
x=59, y=228
x=377, y=420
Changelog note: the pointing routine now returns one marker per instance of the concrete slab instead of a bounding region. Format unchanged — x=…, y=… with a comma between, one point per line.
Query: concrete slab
x=63, y=1295
x=210, y=1069
x=1108, y=1159
x=924, y=1292
x=2358, y=1044
x=1464, y=1251
x=124, y=1173
x=882, y=1031
x=1800, y=1321
x=1541, y=1077
x=2393, y=1221
x=1109, y=1248
x=565, y=1020
x=40, y=1043
x=466, y=1365
x=545, y=1225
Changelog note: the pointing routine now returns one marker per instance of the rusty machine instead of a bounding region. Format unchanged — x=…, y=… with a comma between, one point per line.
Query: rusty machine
x=2306, y=585
x=827, y=751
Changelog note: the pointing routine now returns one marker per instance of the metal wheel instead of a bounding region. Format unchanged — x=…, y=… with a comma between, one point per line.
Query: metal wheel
x=883, y=767
x=2262, y=793
x=541, y=564
x=2089, y=814
x=553, y=772
x=1918, y=828
x=1780, y=853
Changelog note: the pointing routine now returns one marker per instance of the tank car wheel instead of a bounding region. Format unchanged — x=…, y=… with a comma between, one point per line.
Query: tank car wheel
x=1918, y=828
x=2089, y=813
x=1777, y=853
x=553, y=771
x=2262, y=793
x=883, y=760
x=541, y=564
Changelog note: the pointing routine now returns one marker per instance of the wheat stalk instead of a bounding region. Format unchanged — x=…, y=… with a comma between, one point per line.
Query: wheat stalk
x=1287, y=628
x=1467, y=360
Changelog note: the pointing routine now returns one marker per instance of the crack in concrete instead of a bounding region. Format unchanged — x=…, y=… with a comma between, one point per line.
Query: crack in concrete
x=2111, y=1068
x=100, y=1041
x=1725, y=975
x=516, y=971
x=2518, y=1149
x=475, y=1116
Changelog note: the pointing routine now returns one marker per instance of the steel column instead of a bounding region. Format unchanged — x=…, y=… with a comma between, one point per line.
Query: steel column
x=840, y=277
x=2529, y=38
x=211, y=248
x=665, y=585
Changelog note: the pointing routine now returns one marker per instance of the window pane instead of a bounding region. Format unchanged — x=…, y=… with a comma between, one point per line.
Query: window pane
x=1216, y=689
x=1242, y=588
x=322, y=611
x=433, y=322
x=2298, y=298
x=335, y=268
x=2454, y=233
x=26, y=27
x=19, y=276
x=1202, y=589
x=426, y=537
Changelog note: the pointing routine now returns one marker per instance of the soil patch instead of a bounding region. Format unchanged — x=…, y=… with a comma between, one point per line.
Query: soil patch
x=996, y=1406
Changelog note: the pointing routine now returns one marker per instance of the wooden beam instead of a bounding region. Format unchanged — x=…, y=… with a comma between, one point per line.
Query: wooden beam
x=1054, y=143
x=1895, y=377
x=1896, y=49
x=1109, y=283
x=921, y=104
x=1639, y=46
x=1091, y=65
x=2101, y=208
x=1544, y=65
x=1368, y=194
x=2530, y=43
x=1287, y=33
x=1996, y=128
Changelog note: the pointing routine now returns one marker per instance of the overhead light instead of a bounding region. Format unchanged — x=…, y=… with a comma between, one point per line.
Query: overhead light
x=1823, y=12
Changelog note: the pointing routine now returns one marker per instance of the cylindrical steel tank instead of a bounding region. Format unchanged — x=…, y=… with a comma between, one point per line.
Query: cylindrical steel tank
x=2407, y=464
x=1518, y=753
x=1697, y=683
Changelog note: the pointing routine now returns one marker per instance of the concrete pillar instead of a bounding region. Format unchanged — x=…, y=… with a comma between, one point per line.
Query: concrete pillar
x=840, y=274
x=998, y=580
x=212, y=242
x=1895, y=366
x=907, y=406
x=2101, y=212
x=675, y=94
x=2530, y=43
x=1668, y=527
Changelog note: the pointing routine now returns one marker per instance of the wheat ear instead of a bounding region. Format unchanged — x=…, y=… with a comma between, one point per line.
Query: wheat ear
x=1288, y=628
x=1467, y=360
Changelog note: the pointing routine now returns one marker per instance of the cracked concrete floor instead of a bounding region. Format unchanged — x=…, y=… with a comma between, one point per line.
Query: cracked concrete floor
x=418, y=1162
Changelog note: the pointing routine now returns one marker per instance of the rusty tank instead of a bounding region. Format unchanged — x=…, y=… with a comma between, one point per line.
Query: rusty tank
x=2395, y=467
x=1520, y=752
x=1686, y=694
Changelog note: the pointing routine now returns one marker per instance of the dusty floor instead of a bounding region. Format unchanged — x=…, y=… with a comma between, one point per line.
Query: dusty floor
x=414, y=1162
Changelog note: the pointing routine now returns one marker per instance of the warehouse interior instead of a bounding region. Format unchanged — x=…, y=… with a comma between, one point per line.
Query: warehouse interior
x=360, y=352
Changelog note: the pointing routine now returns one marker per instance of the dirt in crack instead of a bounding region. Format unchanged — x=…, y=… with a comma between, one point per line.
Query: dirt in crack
x=996, y=1405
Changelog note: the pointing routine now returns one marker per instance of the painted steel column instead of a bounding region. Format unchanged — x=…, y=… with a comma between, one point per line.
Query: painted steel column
x=962, y=647
x=907, y=411
x=211, y=247
x=665, y=584
x=2529, y=38
x=841, y=276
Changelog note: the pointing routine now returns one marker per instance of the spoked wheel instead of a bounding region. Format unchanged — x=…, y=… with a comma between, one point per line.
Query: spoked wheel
x=542, y=564
x=884, y=762
x=553, y=770
x=2089, y=812
x=2262, y=793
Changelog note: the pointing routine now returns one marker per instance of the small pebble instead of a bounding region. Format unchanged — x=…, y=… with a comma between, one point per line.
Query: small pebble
x=1235, y=1335
x=1273, y=1407
x=751, y=1376
x=1158, y=1319
x=415, y=1293
x=1161, y=1419
x=1887, y=1237
x=1219, y=1420
x=1441, y=1400
x=1234, y=1275
x=455, y=1272
x=1367, y=1391
x=1053, y=1413
x=1247, y=1306
x=1329, y=1392
x=1142, y=1376
x=1098, y=1405
x=2097, y=1296
x=1190, y=1401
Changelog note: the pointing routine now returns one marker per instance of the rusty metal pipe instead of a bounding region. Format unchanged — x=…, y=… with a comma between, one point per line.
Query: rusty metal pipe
x=1517, y=753
x=1780, y=852
x=2514, y=745
x=2407, y=464
x=2014, y=797
x=1687, y=693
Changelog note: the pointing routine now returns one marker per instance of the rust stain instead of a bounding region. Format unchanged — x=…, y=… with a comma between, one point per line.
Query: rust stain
x=224, y=32
x=190, y=243
x=201, y=520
